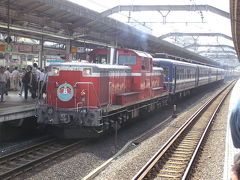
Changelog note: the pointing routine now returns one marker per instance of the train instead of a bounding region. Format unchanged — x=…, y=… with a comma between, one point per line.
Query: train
x=181, y=77
x=85, y=99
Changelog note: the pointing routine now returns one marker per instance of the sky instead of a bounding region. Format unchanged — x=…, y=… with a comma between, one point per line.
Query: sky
x=201, y=22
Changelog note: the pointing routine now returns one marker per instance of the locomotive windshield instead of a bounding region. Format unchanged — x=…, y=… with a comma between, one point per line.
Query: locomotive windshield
x=127, y=59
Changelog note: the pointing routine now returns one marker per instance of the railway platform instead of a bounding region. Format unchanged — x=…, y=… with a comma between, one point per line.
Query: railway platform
x=16, y=107
x=230, y=150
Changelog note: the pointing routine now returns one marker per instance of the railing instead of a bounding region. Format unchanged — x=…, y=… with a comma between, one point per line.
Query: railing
x=110, y=93
x=89, y=84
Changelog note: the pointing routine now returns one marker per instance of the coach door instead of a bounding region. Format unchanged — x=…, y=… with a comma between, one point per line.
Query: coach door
x=174, y=80
x=197, y=72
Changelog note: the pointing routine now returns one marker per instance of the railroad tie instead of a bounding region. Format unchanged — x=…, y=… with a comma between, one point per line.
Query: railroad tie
x=180, y=155
x=168, y=176
x=175, y=167
x=177, y=163
x=189, y=143
x=183, y=152
x=186, y=147
x=178, y=159
x=169, y=171
x=190, y=140
x=192, y=137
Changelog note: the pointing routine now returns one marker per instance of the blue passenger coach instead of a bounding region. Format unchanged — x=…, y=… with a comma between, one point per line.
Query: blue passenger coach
x=181, y=77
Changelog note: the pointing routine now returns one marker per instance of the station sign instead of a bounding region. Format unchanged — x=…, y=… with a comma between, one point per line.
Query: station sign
x=9, y=48
x=36, y=48
x=75, y=49
x=15, y=47
x=2, y=47
x=54, y=60
x=68, y=57
x=25, y=48
x=80, y=49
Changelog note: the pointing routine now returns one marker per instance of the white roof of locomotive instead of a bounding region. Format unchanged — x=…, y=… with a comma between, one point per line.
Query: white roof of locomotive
x=84, y=64
x=143, y=54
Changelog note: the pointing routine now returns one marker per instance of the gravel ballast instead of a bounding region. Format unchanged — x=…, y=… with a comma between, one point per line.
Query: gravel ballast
x=127, y=166
x=210, y=164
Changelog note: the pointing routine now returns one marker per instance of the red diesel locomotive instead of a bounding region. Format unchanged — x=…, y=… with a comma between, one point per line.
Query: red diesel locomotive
x=83, y=98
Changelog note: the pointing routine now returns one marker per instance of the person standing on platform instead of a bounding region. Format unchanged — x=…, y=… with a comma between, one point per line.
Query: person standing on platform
x=234, y=115
x=3, y=82
x=235, y=170
x=43, y=82
x=27, y=81
x=36, y=74
x=40, y=84
x=21, y=75
x=15, y=77
x=8, y=74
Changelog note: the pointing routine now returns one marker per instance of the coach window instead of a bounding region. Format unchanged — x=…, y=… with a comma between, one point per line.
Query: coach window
x=185, y=74
x=188, y=74
x=127, y=59
x=179, y=74
x=182, y=73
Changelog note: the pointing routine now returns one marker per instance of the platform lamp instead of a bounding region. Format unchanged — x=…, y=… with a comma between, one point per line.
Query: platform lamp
x=8, y=38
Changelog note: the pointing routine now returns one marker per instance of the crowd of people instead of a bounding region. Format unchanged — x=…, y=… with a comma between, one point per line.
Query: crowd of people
x=27, y=79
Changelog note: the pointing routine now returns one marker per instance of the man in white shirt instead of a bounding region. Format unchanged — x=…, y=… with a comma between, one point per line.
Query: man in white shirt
x=43, y=81
x=36, y=71
x=15, y=76
x=36, y=75
x=3, y=82
x=8, y=74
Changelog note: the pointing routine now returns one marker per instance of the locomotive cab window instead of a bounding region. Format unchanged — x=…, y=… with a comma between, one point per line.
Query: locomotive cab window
x=100, y=59
x=127, y=59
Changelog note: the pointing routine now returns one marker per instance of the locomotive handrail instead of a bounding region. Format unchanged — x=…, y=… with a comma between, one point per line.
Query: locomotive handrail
x=88, y=83
x=49, y=95
x=56, y=86
x=110, y=93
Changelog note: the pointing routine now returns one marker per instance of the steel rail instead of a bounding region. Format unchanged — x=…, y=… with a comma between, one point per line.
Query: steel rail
x=206, y=131
x=153, y=161
x=25, y=160
x=15, y=154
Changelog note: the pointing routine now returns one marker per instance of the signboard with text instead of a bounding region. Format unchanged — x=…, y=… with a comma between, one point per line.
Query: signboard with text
x=15, y=47
x=36, y=48
x=25, y=48
x=2, y=47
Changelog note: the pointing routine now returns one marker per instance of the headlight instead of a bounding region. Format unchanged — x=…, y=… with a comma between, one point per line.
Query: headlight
x=55, y=71
x=87, y=71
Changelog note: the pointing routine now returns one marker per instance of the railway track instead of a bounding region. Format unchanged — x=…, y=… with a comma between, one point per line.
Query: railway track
x=19, y=162
x=176, y=158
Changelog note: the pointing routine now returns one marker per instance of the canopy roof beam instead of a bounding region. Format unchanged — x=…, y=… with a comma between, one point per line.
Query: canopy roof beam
x=165, y=8
x=194, y=34
x=208, y=45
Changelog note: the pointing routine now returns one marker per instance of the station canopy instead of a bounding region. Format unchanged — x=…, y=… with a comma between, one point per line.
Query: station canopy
x=65, y=20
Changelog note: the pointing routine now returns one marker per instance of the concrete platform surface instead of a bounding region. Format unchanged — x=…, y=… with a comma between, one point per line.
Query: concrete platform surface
x=15, y=106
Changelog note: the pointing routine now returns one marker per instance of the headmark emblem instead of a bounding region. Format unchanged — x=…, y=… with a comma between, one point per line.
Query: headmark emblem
x=65, y=92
